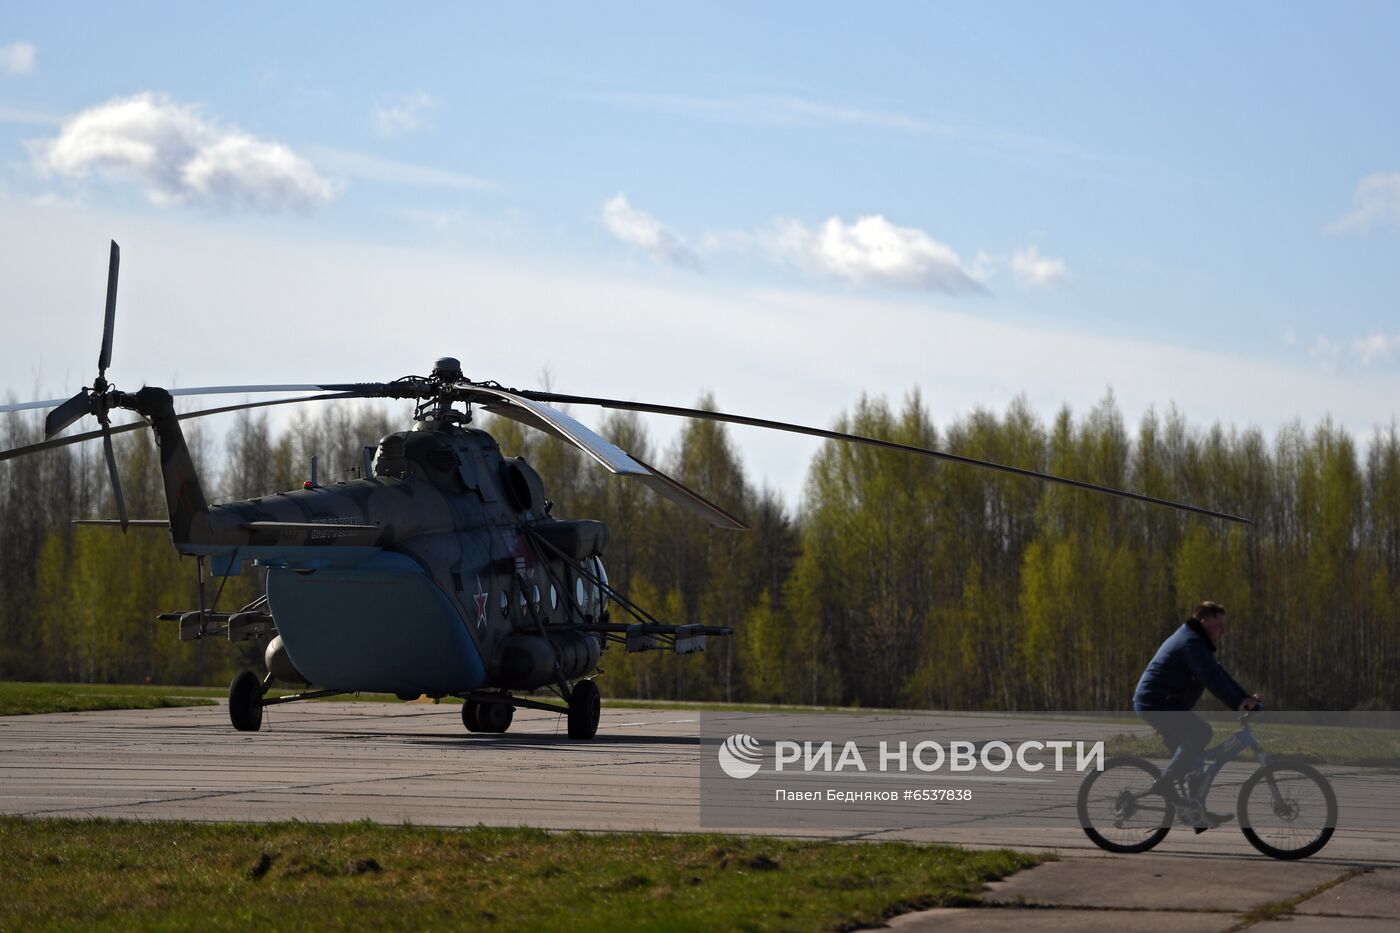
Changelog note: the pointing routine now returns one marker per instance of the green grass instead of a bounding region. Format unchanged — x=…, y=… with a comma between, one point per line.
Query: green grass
x=1329, y=745
x=21, y=698
x=179, y=876
x=18, y=699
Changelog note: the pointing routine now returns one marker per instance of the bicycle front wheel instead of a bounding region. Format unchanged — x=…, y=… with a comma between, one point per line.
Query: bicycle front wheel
x=1117, y=809
x=1287, y=810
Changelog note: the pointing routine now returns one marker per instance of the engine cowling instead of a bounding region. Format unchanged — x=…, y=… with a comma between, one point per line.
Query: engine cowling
x=528, y=661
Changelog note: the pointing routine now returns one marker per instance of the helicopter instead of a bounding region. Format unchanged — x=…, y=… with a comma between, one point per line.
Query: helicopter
x=442, y=571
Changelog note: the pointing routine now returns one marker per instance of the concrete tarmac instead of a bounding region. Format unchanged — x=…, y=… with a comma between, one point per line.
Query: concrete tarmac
x=415, y=763
x=331, y=762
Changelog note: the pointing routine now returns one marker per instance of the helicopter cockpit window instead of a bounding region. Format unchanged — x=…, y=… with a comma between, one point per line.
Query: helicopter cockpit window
x=602, y=592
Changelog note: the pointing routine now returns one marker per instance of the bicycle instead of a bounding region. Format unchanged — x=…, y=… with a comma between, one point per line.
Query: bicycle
x=1286, y=809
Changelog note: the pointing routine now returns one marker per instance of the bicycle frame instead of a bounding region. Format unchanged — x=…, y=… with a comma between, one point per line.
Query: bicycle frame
x=1227, y=751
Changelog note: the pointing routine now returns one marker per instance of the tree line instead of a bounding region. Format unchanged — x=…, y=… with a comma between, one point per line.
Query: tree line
x=898, y=581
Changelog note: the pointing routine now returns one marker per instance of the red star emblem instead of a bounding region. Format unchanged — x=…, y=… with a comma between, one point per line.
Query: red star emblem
x=482, y=596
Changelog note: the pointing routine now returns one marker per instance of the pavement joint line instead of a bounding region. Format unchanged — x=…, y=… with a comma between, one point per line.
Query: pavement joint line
x=1033, y=905
x=1281, y=910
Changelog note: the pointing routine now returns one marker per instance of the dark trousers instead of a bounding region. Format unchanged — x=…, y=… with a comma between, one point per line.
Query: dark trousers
x=1186, y=735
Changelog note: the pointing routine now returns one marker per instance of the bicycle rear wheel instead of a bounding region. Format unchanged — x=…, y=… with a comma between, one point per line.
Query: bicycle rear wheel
x=1118, y=812
x=1287, y=810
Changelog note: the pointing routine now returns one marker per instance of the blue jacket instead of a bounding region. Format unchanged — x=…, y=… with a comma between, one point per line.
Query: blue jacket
x=1180, y=672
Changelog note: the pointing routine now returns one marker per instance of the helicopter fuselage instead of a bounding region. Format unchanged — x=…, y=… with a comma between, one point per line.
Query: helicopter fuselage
x=441, y=574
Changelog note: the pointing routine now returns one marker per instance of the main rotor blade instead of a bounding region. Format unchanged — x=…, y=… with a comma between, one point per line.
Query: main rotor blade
x=57, y=442
x=26, y=406
x=249, y=390
x=206, y=390
x=116, y=479
x=104, y=359
x=874, y=442
x=65, y=414
x=556, y=423
x=688, y=499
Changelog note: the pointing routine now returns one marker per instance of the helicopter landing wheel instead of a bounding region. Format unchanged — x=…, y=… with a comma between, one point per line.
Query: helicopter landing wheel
x=494, y=717
x=470, y=711
x=245, y=708
x=585, y=708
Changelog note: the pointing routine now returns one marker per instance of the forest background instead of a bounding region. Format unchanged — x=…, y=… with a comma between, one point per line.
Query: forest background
x=898, y=582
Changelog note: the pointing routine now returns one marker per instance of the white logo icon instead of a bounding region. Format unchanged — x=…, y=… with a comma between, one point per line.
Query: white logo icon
x=741, y=756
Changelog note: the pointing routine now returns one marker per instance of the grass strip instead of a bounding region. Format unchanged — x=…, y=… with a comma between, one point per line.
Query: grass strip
x=24, y=698
x=17, y=699
x=1327, y=745
x=180, y=876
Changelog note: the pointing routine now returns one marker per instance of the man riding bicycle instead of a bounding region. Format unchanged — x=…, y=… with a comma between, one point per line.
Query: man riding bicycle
x=1181, y=670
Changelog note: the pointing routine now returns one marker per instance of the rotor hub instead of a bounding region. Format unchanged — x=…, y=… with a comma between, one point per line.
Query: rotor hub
x=447, y=373
x=447, y=370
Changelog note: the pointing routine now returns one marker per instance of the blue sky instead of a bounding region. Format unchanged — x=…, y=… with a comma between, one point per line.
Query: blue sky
x=788, y=205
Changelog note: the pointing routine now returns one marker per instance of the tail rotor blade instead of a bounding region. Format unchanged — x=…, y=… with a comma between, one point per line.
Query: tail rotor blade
x=116, y=480
x=104, y=359
x=65, y=414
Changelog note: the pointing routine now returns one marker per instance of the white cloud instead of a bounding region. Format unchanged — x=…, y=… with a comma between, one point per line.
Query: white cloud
x=1358, y=352
x=1376, y=202
x=1036, y=271
x=18, y=58
x=179, y=157
x=371, y=168
x=638, y=228
x=405, y=113
x=874, y=251
x=1376, y=348
x=868, y=251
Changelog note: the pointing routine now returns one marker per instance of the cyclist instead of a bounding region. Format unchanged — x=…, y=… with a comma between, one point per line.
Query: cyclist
x=1181, y=670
